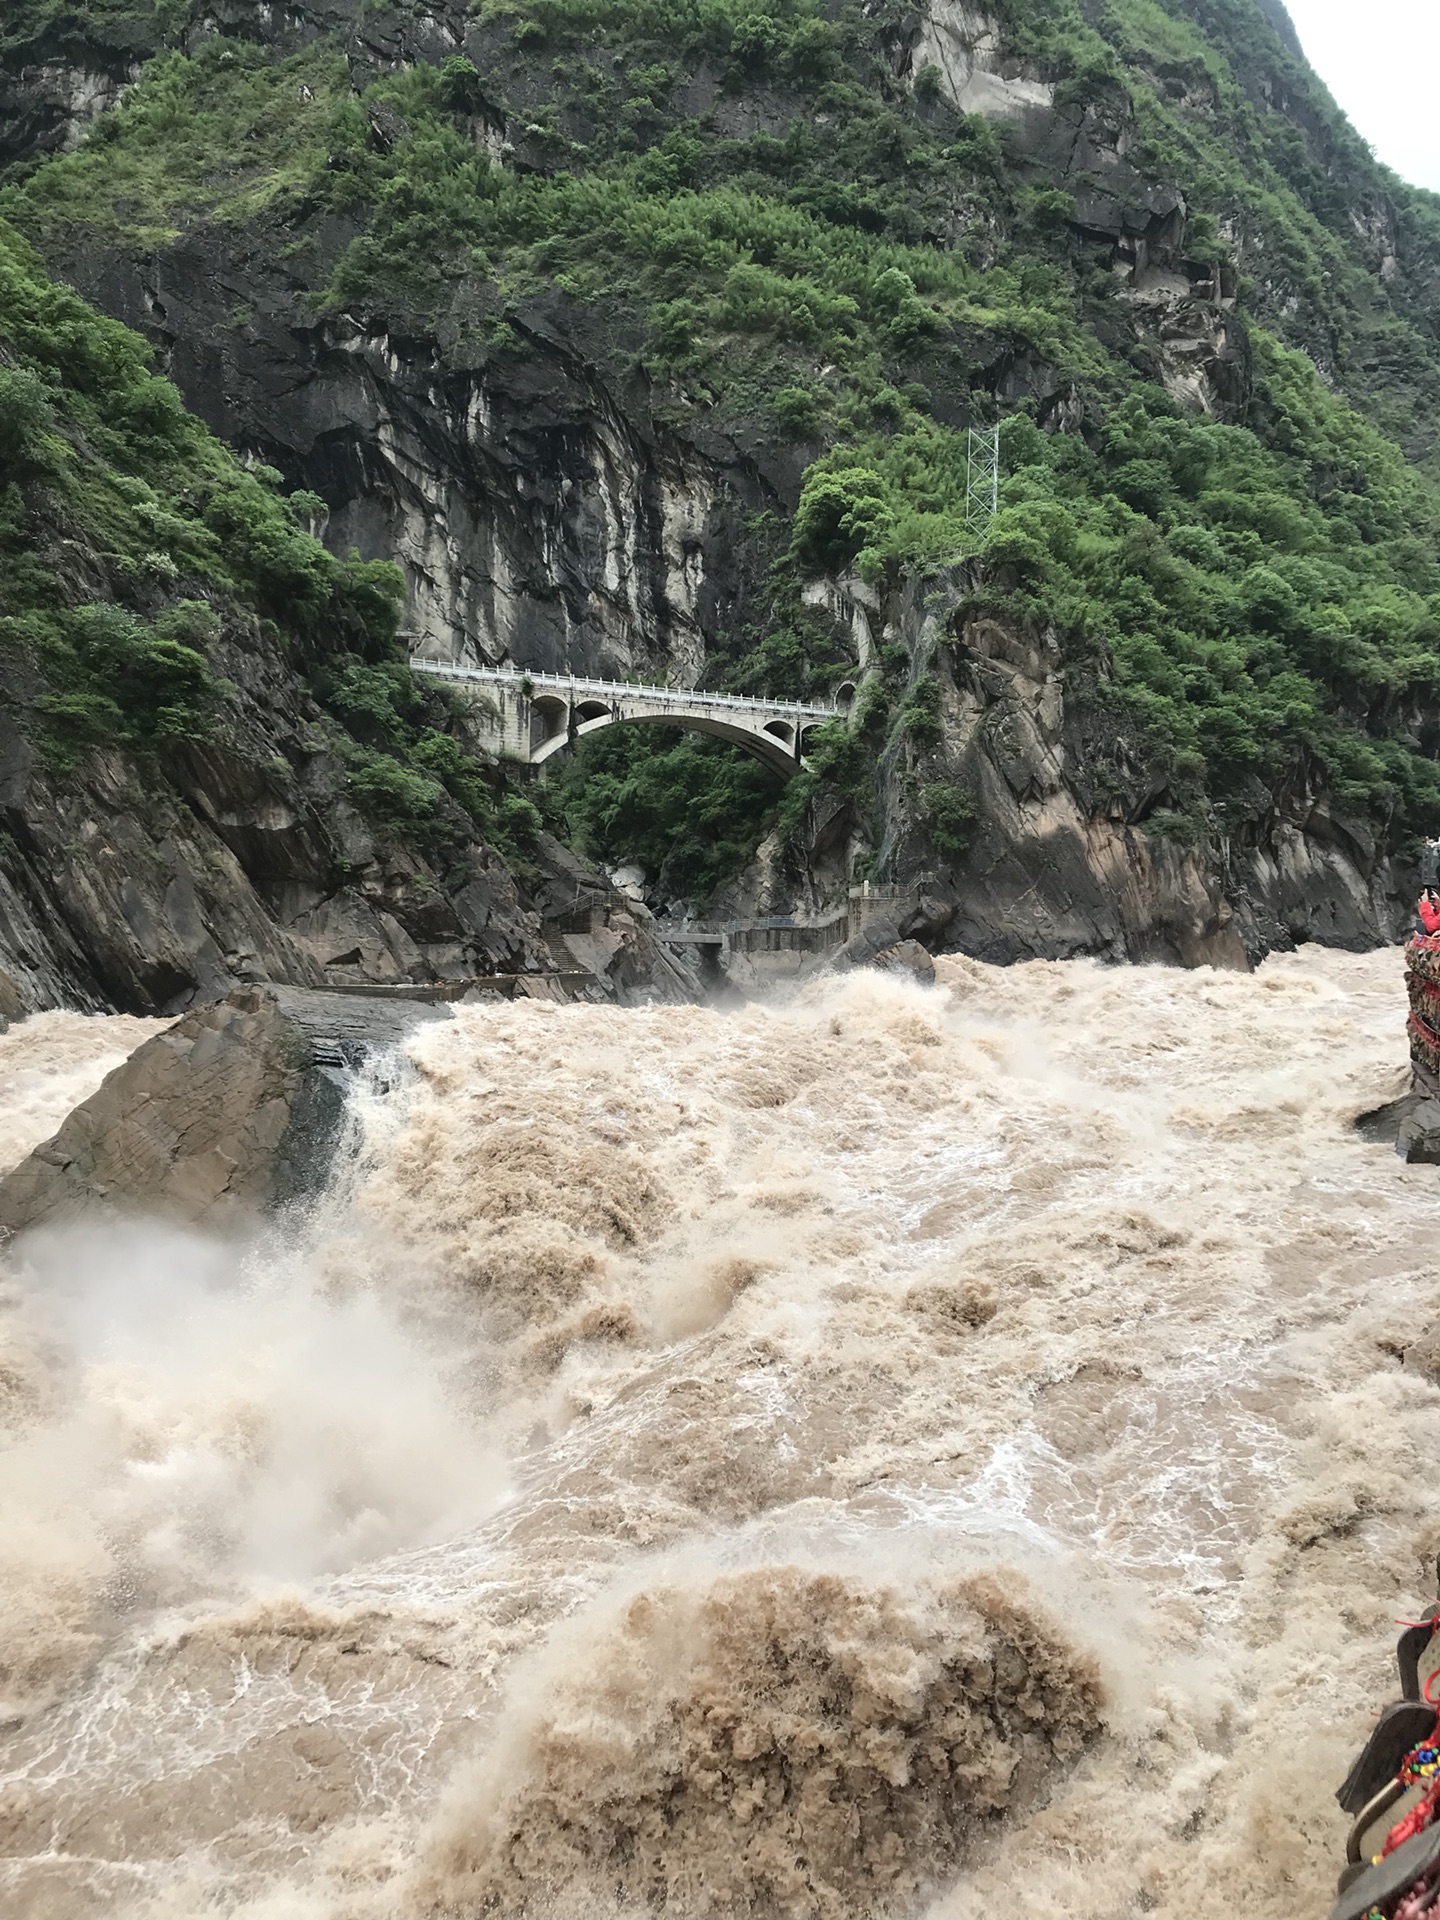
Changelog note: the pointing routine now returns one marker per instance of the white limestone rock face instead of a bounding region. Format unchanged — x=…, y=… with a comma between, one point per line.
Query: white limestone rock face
x=962, y=43
x=1202, y=353
x=84, y=96
x=1185, y=309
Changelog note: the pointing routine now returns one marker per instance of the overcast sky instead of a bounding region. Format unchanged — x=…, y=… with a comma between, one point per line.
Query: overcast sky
x=1381, y=60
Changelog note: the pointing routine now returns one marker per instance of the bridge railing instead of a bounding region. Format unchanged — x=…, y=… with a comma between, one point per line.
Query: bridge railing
x=578, y=687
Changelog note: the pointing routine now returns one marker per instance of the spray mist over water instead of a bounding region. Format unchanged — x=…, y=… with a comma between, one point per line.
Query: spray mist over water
x=53, y=1061
x=975, y=1410
x=208, y=1421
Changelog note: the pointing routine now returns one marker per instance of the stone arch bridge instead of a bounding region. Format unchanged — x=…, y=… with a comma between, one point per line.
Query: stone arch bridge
x=534, y=716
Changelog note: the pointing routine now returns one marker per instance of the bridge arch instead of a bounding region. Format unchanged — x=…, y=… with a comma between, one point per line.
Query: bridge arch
x=549, y=720
x=532, y=716
x=762, y=745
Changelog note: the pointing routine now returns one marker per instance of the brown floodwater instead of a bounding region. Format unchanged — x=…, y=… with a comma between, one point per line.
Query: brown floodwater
x=897, y=1451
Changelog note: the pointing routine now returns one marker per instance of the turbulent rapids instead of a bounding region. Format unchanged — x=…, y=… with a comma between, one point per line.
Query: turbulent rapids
x=902, y=1451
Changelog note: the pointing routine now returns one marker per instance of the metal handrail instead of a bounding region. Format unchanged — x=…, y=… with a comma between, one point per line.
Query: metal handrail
x=622, y=690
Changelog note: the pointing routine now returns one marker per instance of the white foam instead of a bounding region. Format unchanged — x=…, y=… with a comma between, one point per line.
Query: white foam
x=1067, y=1268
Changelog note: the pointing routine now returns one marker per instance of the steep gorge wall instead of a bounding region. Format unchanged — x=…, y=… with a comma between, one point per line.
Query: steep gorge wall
x=542, y=513
x=145, y=883
x=1060, y=863
x=1070, y=849
x=550, y=506
x=539, y=513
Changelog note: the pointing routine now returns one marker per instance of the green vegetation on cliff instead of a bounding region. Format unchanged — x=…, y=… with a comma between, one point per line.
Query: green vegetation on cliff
x=785, y=224
x=1264, y=600
x=130, y=537
x=120, y=516
x=689, y=810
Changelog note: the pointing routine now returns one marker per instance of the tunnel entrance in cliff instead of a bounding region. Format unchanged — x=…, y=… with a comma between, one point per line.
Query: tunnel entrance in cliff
x=686, y=809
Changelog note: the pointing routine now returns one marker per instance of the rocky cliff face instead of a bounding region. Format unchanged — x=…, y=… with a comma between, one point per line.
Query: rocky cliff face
x=154, y=852
x=540, y=511
x=120, y=890
x=557, y=502
x=1054, y=871
x=146, y=882
x=119, y=893
x=1065, y=851
x=58, y=72
x=1180, y=309
x=540, y=514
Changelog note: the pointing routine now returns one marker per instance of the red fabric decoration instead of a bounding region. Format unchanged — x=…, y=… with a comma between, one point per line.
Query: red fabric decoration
x=1416, y=1821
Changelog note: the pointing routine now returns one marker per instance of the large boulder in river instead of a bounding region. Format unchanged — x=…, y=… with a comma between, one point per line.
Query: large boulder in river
x=907, y=956
x=234, y=1111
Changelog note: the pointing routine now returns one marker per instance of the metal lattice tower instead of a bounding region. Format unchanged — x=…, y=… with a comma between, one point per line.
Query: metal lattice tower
x=982, y=484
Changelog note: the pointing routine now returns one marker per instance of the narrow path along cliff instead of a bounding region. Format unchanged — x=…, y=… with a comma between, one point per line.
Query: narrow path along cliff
x=899, y=1451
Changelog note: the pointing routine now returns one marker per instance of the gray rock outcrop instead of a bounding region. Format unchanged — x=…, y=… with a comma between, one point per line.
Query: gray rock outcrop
x=1418, y=1141
x=1410, y=1124
x=908, y=957
x=233, y=1112
x=240, y=859
x=899, y=935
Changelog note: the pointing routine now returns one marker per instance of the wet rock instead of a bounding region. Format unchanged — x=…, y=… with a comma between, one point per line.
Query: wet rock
x=1410, y=1124
x=907, y=956
x=922, y=915
x=234, y=1111
x=1382, y=1125
x=1418, y=1138
x=12, y=1004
